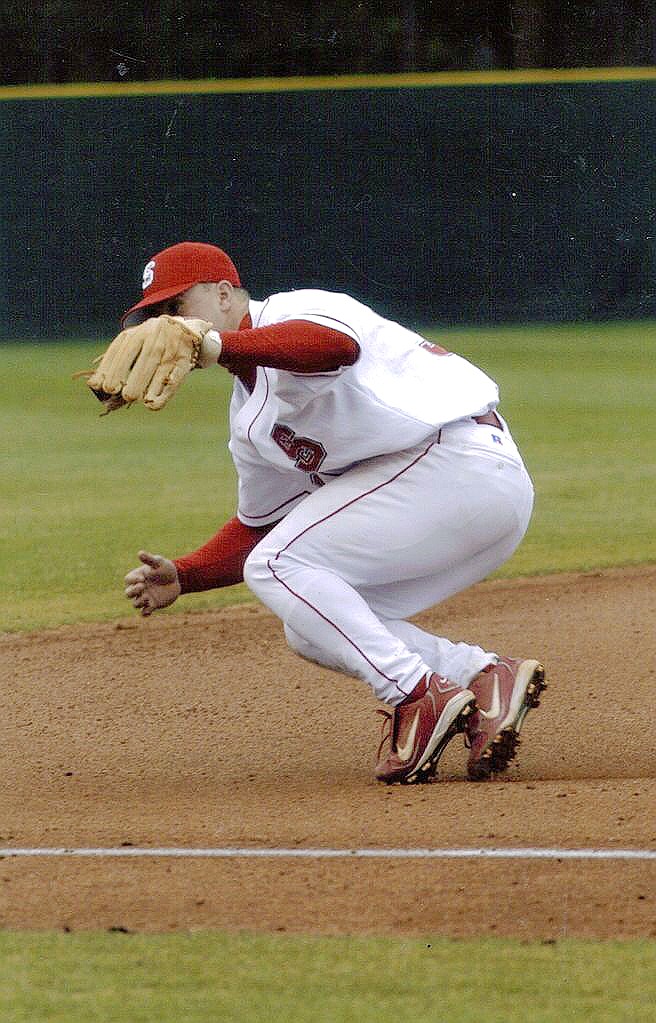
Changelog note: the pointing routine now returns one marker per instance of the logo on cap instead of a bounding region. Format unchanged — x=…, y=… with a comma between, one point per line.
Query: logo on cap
x=148, y=274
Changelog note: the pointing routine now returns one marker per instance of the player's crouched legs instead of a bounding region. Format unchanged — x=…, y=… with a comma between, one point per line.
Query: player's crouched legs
x=328, y=622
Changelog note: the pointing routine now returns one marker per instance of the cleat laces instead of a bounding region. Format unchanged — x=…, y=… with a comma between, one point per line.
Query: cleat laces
x=387, y=729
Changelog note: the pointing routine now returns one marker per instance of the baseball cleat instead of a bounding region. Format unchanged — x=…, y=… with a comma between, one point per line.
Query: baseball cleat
x=504, y=692
x=418, y=731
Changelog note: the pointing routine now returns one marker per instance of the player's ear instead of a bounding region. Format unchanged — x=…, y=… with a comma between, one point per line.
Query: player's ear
x=225, y=293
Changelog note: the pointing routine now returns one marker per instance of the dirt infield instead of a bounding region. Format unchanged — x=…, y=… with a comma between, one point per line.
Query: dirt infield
x=204, y=730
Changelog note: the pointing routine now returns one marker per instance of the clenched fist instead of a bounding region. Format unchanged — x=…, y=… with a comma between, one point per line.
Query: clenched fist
x=153, y=585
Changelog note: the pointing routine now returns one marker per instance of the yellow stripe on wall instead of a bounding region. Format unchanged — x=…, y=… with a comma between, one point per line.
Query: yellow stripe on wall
x=82, y=90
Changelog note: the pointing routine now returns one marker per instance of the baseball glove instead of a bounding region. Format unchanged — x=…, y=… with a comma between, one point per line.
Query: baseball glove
x=147, y=362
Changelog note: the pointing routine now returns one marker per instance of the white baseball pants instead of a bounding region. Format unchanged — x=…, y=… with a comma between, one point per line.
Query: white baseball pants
x=387, y=539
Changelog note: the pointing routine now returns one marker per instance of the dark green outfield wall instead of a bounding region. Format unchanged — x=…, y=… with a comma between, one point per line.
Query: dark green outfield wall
x=439, y=204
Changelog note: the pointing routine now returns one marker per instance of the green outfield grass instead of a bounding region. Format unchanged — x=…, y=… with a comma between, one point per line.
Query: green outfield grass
x=203, y=978
x=81, y=494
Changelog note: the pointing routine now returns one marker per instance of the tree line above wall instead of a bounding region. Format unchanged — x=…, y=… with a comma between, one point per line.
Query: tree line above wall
x=72, y=41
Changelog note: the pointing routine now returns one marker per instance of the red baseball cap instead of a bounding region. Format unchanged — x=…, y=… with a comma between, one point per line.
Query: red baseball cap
x=176, y=269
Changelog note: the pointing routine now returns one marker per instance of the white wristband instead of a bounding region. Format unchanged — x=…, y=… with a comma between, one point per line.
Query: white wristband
x=210, y=348
x=215, y=336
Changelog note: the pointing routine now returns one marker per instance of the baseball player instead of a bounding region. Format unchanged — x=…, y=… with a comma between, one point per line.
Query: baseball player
x=376, y=477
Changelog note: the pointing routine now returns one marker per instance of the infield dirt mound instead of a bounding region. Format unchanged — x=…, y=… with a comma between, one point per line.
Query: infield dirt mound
x=203, y=729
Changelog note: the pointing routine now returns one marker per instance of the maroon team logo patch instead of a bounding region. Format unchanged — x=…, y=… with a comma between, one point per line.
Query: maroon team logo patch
x=306, y=454
x=433, y=349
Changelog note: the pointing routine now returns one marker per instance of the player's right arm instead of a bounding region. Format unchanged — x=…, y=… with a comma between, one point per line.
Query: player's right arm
x=158, y=581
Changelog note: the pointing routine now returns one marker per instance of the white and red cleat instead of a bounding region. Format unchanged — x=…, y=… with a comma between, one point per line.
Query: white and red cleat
x=420, y=728
x=504, y=692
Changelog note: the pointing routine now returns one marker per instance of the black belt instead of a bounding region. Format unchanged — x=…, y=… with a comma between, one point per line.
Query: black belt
x=489, y=419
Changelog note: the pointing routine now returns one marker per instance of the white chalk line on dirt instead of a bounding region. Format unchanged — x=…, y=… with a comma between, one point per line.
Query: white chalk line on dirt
x=317, y=854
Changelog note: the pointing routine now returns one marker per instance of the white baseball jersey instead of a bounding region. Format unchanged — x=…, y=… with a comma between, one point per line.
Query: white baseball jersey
x=297, y=430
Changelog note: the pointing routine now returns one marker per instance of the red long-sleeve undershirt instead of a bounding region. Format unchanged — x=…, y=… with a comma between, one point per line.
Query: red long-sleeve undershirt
x=219, y=562
x=298, y=346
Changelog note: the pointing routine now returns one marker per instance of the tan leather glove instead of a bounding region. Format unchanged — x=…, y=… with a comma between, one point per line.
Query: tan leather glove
x=148, y=362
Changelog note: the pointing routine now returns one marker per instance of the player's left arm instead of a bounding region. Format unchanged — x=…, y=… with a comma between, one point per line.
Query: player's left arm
x=298, y=346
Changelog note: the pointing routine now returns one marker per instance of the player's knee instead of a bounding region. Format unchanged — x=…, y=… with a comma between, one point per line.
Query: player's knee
x=311, y=652
x=256, y=572
x=299, y=645
x=303, y=647
x=262, y=566
x=267, y=566
x=266, y=563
